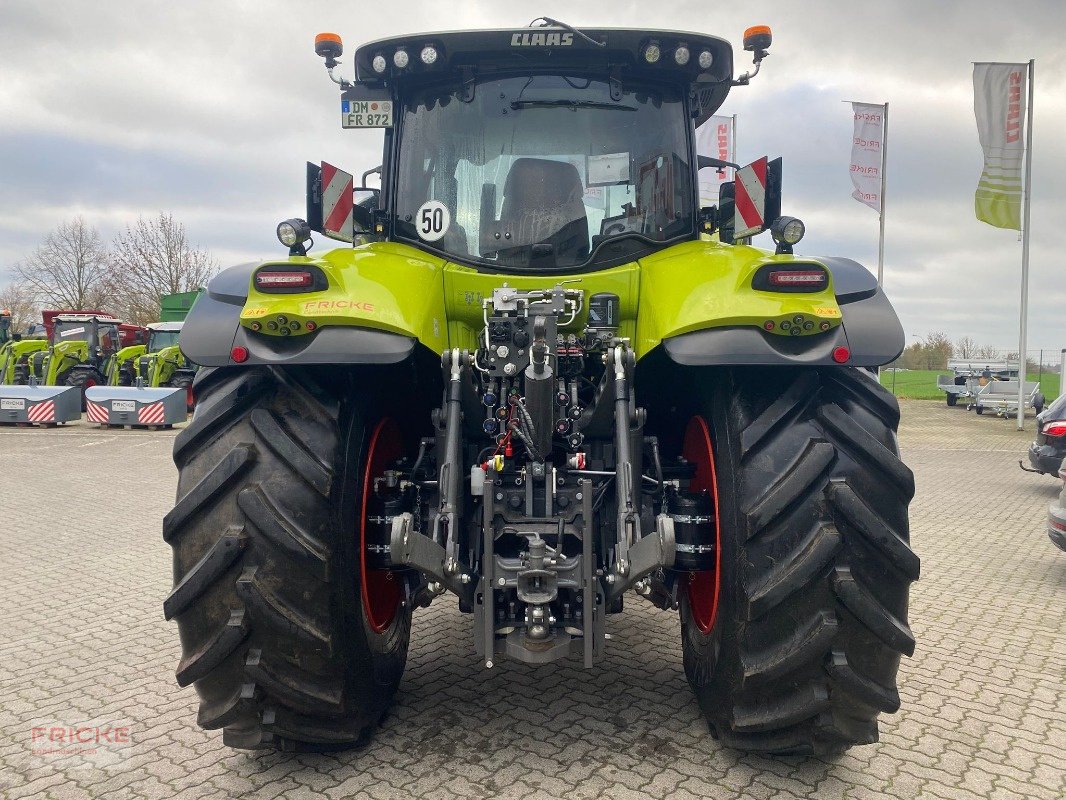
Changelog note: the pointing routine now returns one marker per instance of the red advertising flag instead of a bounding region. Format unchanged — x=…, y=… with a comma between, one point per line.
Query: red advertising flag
x=715, y=138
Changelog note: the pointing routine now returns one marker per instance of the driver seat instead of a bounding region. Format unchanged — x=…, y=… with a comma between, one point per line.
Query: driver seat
x=542, y=205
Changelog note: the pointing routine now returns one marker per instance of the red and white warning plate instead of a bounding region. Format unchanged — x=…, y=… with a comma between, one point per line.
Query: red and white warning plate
x=338, y=200
x=151, y=414
x=42, y=412
x=95, y=412
x=750, y=199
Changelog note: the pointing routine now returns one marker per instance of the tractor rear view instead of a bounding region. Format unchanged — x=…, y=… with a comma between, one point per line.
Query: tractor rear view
x=535, y=383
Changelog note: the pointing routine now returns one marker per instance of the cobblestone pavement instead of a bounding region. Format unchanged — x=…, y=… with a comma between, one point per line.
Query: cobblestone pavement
x=84, y=570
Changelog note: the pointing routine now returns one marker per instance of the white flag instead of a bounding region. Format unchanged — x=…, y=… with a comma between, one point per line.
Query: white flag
x=999, y=96
x=866, y=153
x=714, y=138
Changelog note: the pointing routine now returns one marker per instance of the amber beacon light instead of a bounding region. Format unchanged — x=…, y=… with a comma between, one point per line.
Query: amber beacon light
x=758, y=37
x=329, y=46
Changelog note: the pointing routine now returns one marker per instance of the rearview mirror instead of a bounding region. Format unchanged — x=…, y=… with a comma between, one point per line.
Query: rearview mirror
x=726, y=212
x=363, y=208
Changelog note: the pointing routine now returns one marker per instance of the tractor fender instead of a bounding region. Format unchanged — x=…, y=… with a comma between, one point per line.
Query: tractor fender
x=851, y=280
x=212, y=329
x=870, y=330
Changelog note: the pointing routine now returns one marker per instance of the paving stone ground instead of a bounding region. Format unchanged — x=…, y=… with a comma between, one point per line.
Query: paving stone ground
x=84, y=570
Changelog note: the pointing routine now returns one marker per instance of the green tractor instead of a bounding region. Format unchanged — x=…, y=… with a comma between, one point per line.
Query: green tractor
x=15, y=350
x=160, y=363
x=81, y=349
x=543, y=377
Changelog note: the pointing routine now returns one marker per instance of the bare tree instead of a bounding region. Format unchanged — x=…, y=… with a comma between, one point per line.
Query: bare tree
x=151, y=258
x=988, y=353
x=68, y=269
x=18, y=299
x=965, y=347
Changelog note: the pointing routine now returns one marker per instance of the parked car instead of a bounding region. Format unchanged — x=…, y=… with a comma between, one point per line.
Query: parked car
x=1046, y=453
x=1056, y=517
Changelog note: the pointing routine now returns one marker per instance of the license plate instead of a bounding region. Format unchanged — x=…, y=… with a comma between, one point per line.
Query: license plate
x=12, y=405
x=366, y=113
x=123, y=405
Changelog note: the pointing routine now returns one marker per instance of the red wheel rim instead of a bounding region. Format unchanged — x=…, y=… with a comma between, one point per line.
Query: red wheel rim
x=703, y=586
x=381, y=592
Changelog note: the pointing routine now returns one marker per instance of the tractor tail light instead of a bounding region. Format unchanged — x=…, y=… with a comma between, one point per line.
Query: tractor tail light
x=284, y=280
x=1057, y=428
x=812, y=279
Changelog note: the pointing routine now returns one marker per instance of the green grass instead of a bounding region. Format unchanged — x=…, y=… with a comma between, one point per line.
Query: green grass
x=920, y=384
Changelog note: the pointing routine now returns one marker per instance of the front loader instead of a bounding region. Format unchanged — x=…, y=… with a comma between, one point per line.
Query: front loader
x=157, y=364
x=15, y=350
x=542, y=382
x=80, y=349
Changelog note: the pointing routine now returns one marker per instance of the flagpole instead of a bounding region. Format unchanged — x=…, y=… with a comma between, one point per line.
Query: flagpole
x=884, y=163
x=881, y=213
x=733, y=145
x=1025, y=246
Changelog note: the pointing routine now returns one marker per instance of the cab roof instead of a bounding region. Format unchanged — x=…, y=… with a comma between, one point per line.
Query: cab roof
x=86, y=318
x=553, y=49
x=164, y=326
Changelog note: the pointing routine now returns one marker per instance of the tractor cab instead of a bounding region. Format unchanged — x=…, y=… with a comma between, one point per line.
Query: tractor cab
x=100, y=333
x=161, y=356
x=538, y=149
x=162, y=335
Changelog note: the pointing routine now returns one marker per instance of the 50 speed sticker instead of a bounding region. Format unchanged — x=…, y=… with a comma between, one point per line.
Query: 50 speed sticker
x=432, y=220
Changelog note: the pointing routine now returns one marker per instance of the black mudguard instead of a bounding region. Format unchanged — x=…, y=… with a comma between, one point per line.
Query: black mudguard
x=870, y=330
x=213, y=329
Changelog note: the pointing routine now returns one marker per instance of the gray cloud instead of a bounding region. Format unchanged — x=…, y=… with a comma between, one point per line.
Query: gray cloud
x=209, y=110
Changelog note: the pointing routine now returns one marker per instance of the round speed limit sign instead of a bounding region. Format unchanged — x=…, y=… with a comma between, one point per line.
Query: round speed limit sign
x=432, y=220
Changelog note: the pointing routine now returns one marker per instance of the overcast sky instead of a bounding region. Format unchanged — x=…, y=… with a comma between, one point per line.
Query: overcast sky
x=208, y=109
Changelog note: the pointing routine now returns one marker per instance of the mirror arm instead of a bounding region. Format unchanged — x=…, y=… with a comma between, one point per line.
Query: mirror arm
x=708, y=161
x=744, y=79
x=375, y=171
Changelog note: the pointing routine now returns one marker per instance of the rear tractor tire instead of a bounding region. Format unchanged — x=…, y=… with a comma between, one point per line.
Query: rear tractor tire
x=185, y=381
x=283, y=643
x=793, y=642
x=84, y=378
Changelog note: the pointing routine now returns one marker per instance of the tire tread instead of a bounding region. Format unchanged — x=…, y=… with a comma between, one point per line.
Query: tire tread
x=812, y=620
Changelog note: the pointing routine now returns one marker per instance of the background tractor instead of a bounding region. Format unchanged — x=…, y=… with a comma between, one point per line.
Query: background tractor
x=15, y=349
x=82, y=344
x=534, y=384
x=161, y=363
